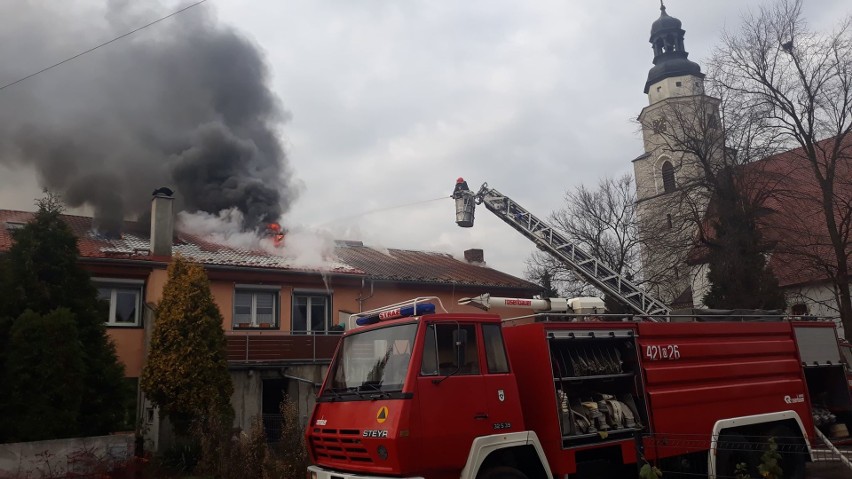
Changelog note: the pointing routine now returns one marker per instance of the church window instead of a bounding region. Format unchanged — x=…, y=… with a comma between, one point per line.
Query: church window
x=668, y=177
x=679, y=83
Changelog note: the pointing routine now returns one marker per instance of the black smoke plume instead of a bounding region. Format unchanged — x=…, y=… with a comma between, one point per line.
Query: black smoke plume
x=184, y=103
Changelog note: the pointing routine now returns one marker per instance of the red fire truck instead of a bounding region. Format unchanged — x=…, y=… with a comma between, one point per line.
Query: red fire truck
x=416, y=392
x=441, y=395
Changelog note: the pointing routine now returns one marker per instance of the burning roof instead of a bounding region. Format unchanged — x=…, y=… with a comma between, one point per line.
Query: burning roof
x=344, y=258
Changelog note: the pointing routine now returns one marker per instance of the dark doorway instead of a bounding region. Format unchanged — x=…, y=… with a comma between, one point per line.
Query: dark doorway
x=271, y=396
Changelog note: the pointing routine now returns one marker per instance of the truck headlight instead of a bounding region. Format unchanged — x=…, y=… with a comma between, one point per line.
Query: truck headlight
x=382, y=451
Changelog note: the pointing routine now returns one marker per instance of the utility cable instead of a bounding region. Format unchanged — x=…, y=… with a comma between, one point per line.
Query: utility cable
x=365, y=213
x=103, y=44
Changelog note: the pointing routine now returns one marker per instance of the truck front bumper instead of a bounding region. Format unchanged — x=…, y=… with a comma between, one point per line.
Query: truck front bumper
x=315, y=472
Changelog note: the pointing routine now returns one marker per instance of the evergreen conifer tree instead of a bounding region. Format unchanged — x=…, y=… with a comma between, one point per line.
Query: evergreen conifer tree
x=739, y=278
x=41, y=273
x=186, y=374
x=44, y=369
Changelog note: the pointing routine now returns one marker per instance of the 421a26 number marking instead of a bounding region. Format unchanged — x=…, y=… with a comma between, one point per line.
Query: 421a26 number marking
x=656, y=352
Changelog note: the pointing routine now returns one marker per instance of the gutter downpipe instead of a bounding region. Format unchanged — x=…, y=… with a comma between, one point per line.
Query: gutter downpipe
x=361, y=299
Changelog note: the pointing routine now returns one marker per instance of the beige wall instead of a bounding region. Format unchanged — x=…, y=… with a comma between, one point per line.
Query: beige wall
x=130, y=342
x=668, y=88
x=349, y=294
x=154, y=286
x=130, y=348
x=345, y=292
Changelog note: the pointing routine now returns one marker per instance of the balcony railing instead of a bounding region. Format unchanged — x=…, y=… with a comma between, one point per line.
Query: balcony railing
x=268, y=347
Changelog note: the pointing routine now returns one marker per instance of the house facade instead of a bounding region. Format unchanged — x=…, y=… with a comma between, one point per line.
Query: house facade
x=282, y=322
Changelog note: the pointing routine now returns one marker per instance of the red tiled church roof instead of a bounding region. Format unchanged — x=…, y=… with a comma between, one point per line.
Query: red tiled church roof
x=793, y=218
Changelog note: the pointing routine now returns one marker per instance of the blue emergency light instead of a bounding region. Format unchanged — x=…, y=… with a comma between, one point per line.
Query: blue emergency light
x=402, y=312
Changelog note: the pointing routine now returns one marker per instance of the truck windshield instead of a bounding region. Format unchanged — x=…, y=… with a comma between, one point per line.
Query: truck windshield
x=375, y=360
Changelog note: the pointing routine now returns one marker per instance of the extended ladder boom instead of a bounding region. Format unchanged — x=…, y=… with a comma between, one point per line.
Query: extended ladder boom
x=552, y=241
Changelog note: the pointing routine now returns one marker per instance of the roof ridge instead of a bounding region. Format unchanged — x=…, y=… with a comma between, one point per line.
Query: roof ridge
x=64, y=215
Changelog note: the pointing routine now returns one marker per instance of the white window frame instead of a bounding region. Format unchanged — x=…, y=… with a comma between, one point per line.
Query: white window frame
x=310, y=294
x=254, y=290
x=114, y=284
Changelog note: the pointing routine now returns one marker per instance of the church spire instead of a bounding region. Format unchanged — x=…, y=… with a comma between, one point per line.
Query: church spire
x=670, y=56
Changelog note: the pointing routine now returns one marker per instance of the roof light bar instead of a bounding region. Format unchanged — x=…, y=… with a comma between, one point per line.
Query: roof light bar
x=411, y=307
x=403, y=312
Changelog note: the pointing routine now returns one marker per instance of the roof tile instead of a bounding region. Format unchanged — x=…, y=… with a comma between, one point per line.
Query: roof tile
x=350, y=257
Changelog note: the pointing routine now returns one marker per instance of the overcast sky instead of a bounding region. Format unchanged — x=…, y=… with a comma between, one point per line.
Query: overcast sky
x=389, y=102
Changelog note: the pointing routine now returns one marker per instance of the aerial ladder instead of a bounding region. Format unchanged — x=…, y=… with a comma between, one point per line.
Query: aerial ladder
x=552, y=241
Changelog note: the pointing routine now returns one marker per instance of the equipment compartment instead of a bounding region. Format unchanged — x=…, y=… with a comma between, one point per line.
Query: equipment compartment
x=596, y=378
x=831, y=402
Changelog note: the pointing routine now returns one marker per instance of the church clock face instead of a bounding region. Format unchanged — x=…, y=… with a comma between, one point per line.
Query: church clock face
x=659, y=125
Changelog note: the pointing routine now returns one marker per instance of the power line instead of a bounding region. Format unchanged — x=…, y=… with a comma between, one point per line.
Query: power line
x=103, y=44
x=365, y=213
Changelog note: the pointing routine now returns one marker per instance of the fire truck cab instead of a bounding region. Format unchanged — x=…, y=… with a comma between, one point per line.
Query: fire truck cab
x=405, y=397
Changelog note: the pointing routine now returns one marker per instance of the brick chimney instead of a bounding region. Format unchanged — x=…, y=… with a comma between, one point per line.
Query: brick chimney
x=474, y=256
x=162, y=222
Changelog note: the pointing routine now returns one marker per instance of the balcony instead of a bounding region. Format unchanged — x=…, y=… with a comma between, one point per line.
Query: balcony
x=273, y=348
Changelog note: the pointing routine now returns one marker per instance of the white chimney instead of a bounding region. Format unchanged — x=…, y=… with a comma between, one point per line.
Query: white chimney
x=162, y=222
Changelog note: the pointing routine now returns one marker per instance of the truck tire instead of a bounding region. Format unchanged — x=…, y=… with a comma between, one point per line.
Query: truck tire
x=792, y=450
x=501, y=472
x=733, y=448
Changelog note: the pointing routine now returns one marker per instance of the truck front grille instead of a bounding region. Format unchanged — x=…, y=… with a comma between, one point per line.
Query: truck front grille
x=340, y=446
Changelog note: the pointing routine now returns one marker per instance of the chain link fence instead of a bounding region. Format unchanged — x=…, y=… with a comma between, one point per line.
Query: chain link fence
x=740, y=456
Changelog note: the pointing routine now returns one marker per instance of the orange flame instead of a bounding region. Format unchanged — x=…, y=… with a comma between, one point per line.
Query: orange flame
x=276, y=232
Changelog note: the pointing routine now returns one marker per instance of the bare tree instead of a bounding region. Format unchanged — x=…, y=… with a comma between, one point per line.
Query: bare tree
x=800, y=84
x=602, y=223
x=685, y=140
x=712, y=201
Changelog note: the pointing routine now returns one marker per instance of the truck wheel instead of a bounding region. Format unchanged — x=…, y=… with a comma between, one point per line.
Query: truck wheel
x=502, y=472
x=732, y=449
x=793, y=451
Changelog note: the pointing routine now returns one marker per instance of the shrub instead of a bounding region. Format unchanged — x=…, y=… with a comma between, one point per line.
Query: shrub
x=187, y=372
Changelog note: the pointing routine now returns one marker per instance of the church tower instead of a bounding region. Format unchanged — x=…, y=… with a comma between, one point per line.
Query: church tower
x=667, y=201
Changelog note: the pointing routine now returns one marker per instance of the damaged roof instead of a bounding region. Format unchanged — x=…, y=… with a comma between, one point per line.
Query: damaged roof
x=342, y=257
